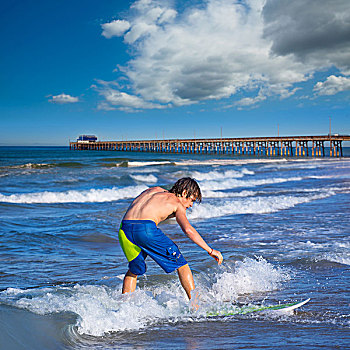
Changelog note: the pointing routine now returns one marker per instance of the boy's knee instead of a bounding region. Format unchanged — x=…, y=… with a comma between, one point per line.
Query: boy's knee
x=130, y=274
x=184, y=269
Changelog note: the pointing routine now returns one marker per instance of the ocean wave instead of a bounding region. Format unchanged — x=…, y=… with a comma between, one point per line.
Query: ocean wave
x=233, y=183
x=45, y=165
x=74, y=196
x=254, y=205
x=145, y=178
x=70, y=165
x=340, y=258
x=220, y=175
x=312, y=253
x=30, y=166
x=145, y=163
x=219, y=194
x=230, y=161
x=343, y=244
x=102, y=310
x=247, y=193
x=249, y=276
x=247, y=161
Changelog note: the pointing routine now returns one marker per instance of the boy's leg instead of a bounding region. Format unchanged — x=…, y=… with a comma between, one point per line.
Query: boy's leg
x=129, y=283
x=186, y=279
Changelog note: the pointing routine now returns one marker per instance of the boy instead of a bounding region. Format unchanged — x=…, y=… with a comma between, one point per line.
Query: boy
x=139, y=235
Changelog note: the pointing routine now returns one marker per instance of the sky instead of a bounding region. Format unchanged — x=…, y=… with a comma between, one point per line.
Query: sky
x=128, y=70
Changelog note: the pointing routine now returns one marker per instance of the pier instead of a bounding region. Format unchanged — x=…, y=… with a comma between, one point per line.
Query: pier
x=287, y=146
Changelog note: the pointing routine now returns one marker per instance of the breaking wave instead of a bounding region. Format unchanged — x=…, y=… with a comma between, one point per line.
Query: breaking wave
x=141, y=164
x=145, y=178
x=219, y=194
x=74, y=196
x=233, y=183
x=250, y=276
x=46, y=165
x=102, y=309
x=340, y=258
x=221, y=175
x=232, y=161
x=253, y=205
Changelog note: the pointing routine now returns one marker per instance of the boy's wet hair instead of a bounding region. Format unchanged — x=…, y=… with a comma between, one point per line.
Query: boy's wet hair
x=189, y=185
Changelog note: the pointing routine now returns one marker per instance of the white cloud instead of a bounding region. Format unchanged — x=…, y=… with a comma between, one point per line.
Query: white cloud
x=221, y=47
x=115, y=99
x=138, y=30
x=249, y=101
x=63, y=98
x=148, y=23
x=167, y=16
x=115, y=28
x=152, y=16
x=332, y=85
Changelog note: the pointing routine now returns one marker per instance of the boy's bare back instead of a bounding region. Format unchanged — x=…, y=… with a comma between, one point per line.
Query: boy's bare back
x=155, y=204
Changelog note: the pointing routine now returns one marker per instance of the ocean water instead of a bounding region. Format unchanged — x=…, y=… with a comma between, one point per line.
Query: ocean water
x=282, y=225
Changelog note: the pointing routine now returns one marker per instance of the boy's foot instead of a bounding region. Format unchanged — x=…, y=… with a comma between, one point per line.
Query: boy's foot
x=194, y=302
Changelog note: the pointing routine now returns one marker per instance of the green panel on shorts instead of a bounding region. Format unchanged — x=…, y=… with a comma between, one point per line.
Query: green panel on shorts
x=130, y=249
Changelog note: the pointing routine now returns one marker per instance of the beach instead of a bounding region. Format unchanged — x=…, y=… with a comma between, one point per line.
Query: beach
x=281, y=223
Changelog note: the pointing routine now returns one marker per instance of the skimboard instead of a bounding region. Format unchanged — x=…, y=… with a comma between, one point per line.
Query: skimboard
x=280, y=308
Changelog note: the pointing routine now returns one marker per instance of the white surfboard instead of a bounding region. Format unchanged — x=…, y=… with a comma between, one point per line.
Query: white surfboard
x=288, y=309
x=280, y=308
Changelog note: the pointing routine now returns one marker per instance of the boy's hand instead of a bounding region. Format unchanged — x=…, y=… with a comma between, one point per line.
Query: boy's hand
x=216, y=255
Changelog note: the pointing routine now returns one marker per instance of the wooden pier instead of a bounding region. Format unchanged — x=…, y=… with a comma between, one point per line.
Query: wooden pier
x=290, y=146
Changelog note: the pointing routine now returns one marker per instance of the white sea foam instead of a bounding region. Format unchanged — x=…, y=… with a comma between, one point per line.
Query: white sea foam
x=337, y=252
x=315, y=251
x=102, y=309
x=253, y=205
x=30, y=166
x=145, y=170
x=233, y=183
x=325, y=176
x=219, y=194
x=152, y=163
x=92, y=195
x=340, y=258
x=343, y=244
x=230, y=161
x=249, y=276
x=220, y=175
x=145, y=178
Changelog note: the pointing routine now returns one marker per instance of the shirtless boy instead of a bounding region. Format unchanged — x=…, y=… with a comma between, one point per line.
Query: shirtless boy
x=139, y=235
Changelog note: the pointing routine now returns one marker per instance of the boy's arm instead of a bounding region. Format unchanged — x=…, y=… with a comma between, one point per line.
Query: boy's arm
x=193, y=235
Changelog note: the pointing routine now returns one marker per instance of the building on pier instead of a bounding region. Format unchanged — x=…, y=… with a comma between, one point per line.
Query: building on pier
x=287, y=146
x=86, y=138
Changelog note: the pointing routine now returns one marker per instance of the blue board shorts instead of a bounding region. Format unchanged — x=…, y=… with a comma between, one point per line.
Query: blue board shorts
x=140, y=238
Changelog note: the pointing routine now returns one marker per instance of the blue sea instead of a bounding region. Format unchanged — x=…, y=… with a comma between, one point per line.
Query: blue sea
x=282, y=225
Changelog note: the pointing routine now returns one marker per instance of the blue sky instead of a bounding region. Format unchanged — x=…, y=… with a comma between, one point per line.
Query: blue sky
x=176, y=69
